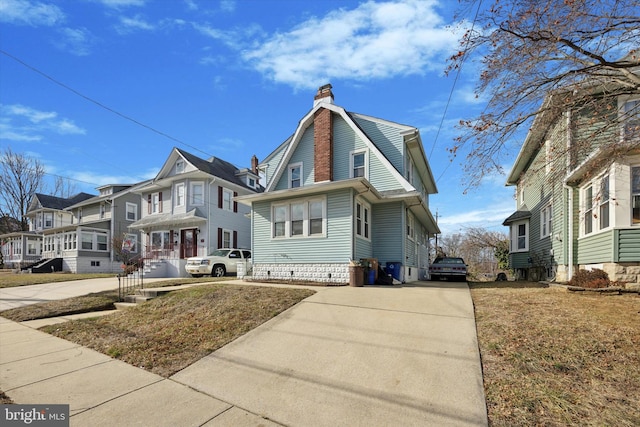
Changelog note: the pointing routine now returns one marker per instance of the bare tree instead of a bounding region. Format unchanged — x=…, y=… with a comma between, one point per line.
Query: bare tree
x=540, y=59
x=20, y=178
x=64, y=187
x=478, y=240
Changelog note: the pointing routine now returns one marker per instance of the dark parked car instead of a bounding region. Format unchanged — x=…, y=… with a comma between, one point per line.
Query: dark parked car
x=448, y=267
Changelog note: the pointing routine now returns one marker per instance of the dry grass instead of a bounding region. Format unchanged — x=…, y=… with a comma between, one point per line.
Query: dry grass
x=556, y=358
x=97, y=301
x=9, y=280
x=171, y=332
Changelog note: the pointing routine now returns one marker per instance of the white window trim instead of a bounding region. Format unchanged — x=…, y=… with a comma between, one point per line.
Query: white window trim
x=352, y=163
x=363, y=205
x=134, y=207
x=293, y=166
x=155, y=203
x=176, y=195
x=514, y=236
x=411, y=227
x=229, y=193
x=191, y=193
x=632, y=194
x=230, y=233
x=305, y=222
x=546, y=221
x=601, y=202
x=180, y=166
x=622, y=103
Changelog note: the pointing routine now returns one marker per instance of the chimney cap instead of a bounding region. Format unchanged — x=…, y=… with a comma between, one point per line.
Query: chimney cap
x=323, y=93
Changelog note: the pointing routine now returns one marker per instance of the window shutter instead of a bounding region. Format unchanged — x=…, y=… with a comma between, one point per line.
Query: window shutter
x=220, y=197
x=235, y=204
x=160, y=201
x=219, y=237
x=235, y=239
x=149, y=203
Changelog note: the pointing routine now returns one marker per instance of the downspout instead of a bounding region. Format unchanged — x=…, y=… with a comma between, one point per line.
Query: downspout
x=569, y=200
x=570, y=230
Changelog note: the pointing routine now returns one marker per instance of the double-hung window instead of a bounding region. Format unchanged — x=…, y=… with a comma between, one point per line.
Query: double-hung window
x=132, y=211
x=197, y=193
x=48, y=219
x=635, y=195
x=631, y=117
x=546, y=221
x=588, y=210
x=299, y=218
x=520, y=236
x=295, y=175
x=410, y=226
x=179, y=198
x=362, y=220
x=155, y=203
x=604, y=202
x=358, y=164
x=227, y=200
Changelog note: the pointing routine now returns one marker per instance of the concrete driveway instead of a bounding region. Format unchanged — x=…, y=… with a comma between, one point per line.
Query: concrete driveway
x=370, y=356
x=25, y=295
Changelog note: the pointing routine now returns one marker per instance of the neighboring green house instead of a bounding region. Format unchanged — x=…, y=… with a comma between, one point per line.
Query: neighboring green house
x=343, y=187
x=578, y=209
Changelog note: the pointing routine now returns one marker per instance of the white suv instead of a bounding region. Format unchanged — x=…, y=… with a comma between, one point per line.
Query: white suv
x=218, y=263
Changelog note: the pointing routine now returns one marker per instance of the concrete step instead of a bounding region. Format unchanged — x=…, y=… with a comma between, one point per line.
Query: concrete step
x=124, y=305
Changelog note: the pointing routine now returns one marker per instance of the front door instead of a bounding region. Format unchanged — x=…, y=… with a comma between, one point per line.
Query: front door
x=189, y=247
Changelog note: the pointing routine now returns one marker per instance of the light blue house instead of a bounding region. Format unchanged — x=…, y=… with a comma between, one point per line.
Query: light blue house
x=343, y=187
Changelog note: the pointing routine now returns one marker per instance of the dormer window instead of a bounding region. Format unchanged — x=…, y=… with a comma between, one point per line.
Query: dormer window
x=251, y=182
x=180, y=166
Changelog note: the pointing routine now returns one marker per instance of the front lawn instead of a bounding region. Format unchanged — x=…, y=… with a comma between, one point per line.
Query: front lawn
x=556, y=358
x=9, y=279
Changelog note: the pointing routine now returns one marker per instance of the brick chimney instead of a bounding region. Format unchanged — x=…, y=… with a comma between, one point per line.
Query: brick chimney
x=324, y=94
x=323, y=136
x=254, y=164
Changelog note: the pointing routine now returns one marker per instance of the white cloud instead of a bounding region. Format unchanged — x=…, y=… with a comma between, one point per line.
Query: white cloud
x=373, y=41
x=228, y=5
x=128, y=25
x=117, y=4
x=77, y=41
x=25, y=12
x=26, y=124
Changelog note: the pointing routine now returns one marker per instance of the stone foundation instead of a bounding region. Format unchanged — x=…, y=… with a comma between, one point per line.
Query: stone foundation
x=628, y=272
x=324, y=273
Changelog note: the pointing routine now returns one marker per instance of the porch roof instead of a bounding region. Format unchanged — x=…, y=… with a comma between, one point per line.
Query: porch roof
x=161, y=220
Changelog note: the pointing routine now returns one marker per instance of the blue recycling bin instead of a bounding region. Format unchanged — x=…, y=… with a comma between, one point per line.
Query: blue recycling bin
x=395, y=270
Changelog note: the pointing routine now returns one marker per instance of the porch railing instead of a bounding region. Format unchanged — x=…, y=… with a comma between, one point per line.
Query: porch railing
x=173, y=251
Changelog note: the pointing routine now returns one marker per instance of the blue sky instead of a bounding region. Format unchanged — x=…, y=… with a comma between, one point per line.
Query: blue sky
x=230, y=79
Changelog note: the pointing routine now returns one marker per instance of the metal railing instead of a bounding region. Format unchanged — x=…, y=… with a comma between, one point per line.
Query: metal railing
x=129, y=283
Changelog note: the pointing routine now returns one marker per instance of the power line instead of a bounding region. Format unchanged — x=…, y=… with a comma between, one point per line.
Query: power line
x=101, y=105
x=446, y=108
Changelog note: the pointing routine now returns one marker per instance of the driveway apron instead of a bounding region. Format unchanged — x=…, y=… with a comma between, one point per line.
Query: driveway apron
x=368, y=356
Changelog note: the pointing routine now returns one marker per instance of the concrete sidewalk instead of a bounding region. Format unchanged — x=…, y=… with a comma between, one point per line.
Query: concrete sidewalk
x=396, y=355
x=20, y=296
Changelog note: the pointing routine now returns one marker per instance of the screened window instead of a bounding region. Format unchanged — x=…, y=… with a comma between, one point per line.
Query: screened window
x=87, y=241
